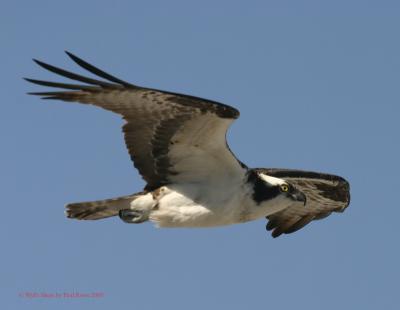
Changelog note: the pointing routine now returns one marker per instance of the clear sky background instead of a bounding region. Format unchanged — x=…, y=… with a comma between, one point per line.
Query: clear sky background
x=317, y=84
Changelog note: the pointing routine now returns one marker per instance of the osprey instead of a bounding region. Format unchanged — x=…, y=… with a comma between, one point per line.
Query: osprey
x=178, y=144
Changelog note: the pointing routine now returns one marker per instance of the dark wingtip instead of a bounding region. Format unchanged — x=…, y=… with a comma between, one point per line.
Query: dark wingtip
x=70, y=54
x=33, y=81
x=275, y=231
x=276, y=234
x=87, y=66
x=78, y=60
x=269, y=226
x=40, y=63
x=71, y=75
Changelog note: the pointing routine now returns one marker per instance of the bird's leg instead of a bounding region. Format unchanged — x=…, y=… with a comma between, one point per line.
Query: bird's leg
x=140, y=208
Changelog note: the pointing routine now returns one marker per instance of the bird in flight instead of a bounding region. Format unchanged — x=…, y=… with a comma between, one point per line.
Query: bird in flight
x=178, y=144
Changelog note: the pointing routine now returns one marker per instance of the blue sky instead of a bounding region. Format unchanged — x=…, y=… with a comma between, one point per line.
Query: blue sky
x=317, y=84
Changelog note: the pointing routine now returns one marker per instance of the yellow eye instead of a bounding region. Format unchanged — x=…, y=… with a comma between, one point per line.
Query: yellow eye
x=284, y=188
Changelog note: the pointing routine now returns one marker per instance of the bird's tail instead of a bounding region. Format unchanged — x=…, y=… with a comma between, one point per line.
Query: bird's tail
x=95, y=210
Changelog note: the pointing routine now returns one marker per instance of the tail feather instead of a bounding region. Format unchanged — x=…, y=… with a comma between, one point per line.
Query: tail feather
x=95, y=210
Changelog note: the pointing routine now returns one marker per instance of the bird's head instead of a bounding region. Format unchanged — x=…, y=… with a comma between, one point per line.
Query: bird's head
x=273, y=192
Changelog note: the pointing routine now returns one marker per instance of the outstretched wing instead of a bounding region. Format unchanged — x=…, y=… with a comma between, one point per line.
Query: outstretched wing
x=170, y=137
x=325, y=193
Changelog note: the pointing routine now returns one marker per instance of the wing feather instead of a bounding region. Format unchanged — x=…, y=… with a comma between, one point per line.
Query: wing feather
x=98, y=71
x=72, y=76
x=169, y=136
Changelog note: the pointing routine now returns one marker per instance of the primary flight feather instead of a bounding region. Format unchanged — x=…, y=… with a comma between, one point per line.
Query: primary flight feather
x=178, y=144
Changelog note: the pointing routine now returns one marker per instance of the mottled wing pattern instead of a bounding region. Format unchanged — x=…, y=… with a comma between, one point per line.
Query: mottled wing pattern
x=325, y=193
x=170, y=137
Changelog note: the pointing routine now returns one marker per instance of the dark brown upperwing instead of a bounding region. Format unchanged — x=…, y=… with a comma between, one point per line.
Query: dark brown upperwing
x=326, y=193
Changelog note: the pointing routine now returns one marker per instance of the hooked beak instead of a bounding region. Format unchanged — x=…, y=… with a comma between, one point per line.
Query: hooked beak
x=299, y=196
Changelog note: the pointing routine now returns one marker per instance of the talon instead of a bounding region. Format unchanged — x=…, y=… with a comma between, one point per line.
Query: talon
x=132, y=216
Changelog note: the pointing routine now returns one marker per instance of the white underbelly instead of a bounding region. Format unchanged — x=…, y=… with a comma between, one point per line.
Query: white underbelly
x=175, y=209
